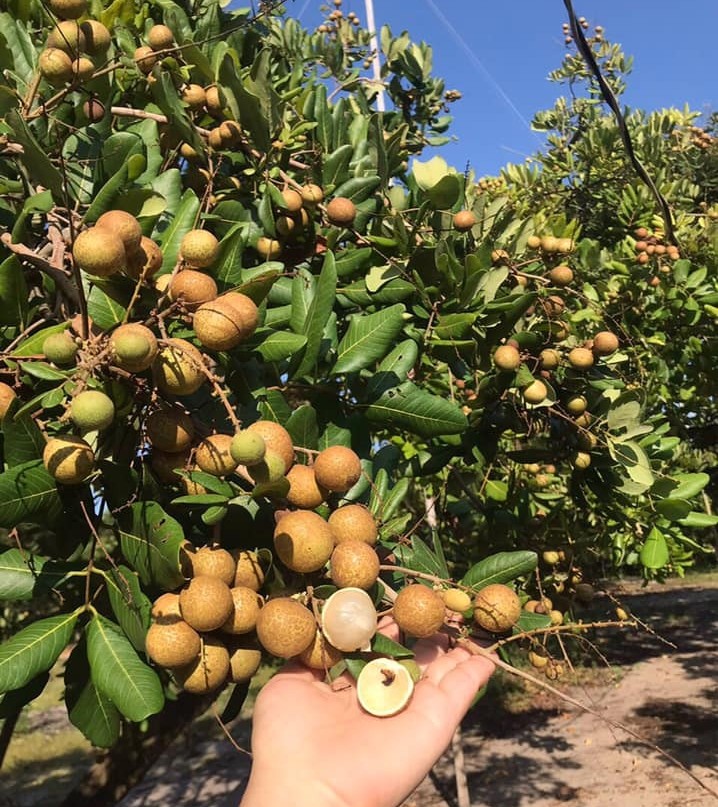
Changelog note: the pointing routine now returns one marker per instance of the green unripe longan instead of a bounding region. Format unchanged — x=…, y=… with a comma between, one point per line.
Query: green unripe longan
x=60, y=348
x=248, y=448
x=92, y=410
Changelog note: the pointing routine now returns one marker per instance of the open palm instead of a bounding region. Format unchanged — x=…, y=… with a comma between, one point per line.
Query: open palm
x=314, y=742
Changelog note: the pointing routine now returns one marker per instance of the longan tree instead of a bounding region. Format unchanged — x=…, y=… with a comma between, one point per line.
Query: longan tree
x=266, y=370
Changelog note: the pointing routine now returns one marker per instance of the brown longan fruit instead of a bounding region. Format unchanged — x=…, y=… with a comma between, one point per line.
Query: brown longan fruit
x=214, y=457
x=464, y=220
x=419, y=610
x=354, y=564
x=304, y=492
x=123, y=224
x=341, y=212
x=206, y=603
x=192, y=287
x=285, y=628
x=303, y=541
x=337, y=468
x=276, y=438
x=497, y=608
x=354, y=522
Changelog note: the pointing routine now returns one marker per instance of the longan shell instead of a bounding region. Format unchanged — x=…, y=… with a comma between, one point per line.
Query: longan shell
x=129, y=356
x=206, y=603
x=247, y=604
x=277, y=439
x=99, y=252
x=341, y=211
x=320, y=655
x=177, y=368
x=304, y=492
x=171, y=642
x=303, y=541
x=354, y=522
x=194, y=288
x=337, y=468
x=354, y=564
x=218, y=325
x=213, y=455
x=7, y=396
x=170, y=430
x=123, y=224
x=285, y=627
x=418, y=610
x=70, y=460
x=211, y=561
x=249, y=571
x=497, y=608
x=210, y=670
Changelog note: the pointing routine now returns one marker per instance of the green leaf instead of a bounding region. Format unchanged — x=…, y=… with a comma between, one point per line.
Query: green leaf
x=430, y=173
x=445, y=194
x=318, y=314
x=168, y=100
x=674, y=509
x=418, y=557
x=368, y=338
x=654, y=553
x=700, y=520
x=129, y=604
x=634, y=459
x=530, y=621
x=407, y=406
x=227, y=269
x=23, y=441
x=43, y=371
x=13, y=292
x=689, y=485
x=386, y=647
x=302, y=426
x=107, y=300
x=28, y=493
x=201, y=499
x=503, y=567
x=172, y=227
x=496, y=489
x=151, y=541
x=624, y=412
x=34, y=157
x=91, y=712
x=275, y=345
x=24, y=575
x=119, y=673
x=34, y=649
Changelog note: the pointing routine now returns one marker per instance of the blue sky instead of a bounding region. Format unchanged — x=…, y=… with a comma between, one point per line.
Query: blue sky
x=498, y=55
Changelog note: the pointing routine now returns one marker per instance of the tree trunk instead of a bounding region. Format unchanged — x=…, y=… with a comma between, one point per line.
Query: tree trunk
x=124, y=765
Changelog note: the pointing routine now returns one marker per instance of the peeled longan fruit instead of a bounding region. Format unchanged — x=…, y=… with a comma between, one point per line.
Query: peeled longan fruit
x=68, y=9
x=349, y=619
x=243, y=618
x=244, y=659
x=418, y=610
x=247, y=448
x=170, y=429
x=133, y=347
x=97, y=37
x=337, y=468
x=341, y=212
x=535, y=392
x=55, y=66
x=303, y=541
x=68, y=459
x=7, y=396
x=580, y=358
x=193, y=288
x=507, y=358
x=464, y=220
x=60, y=348
x=67, y=36
x=304, y=492
x=354, y=564
x=206, y=603
x=276, y=438
x=210, y=561
x=497, y=608
x=561, y=276
x=144, y=261
x=210, y=670
x=213, y=455
x=605, y=343
x=99, y=252
x=285, y=627
x=249, y=571
x=177, y=368
x=160, y=37
x=92, y=410
x=199, y=249
x=353, y=522
x=320, y=655
x=171, y=642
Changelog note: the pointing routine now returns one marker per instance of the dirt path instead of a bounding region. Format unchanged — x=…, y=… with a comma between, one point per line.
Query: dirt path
x=548, y=755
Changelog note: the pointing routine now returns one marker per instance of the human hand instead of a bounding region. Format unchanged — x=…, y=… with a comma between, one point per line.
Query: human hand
x=314, y=746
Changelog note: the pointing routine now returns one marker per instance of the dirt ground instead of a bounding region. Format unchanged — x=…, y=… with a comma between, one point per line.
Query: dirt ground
x=523, y=748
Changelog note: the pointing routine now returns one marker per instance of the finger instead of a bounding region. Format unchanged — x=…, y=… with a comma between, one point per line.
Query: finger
x=389, y=628
x=428, y=651
x=295, y=671
x=463, y=682
x=444, y=663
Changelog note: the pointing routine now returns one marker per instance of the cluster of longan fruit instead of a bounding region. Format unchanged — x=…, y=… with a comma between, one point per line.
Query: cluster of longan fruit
x=651, y=245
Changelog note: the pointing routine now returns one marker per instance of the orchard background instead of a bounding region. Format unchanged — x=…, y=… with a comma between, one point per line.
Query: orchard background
x=559, y=463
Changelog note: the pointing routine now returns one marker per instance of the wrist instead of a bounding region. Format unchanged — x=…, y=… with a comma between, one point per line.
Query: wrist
x=273, y=789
